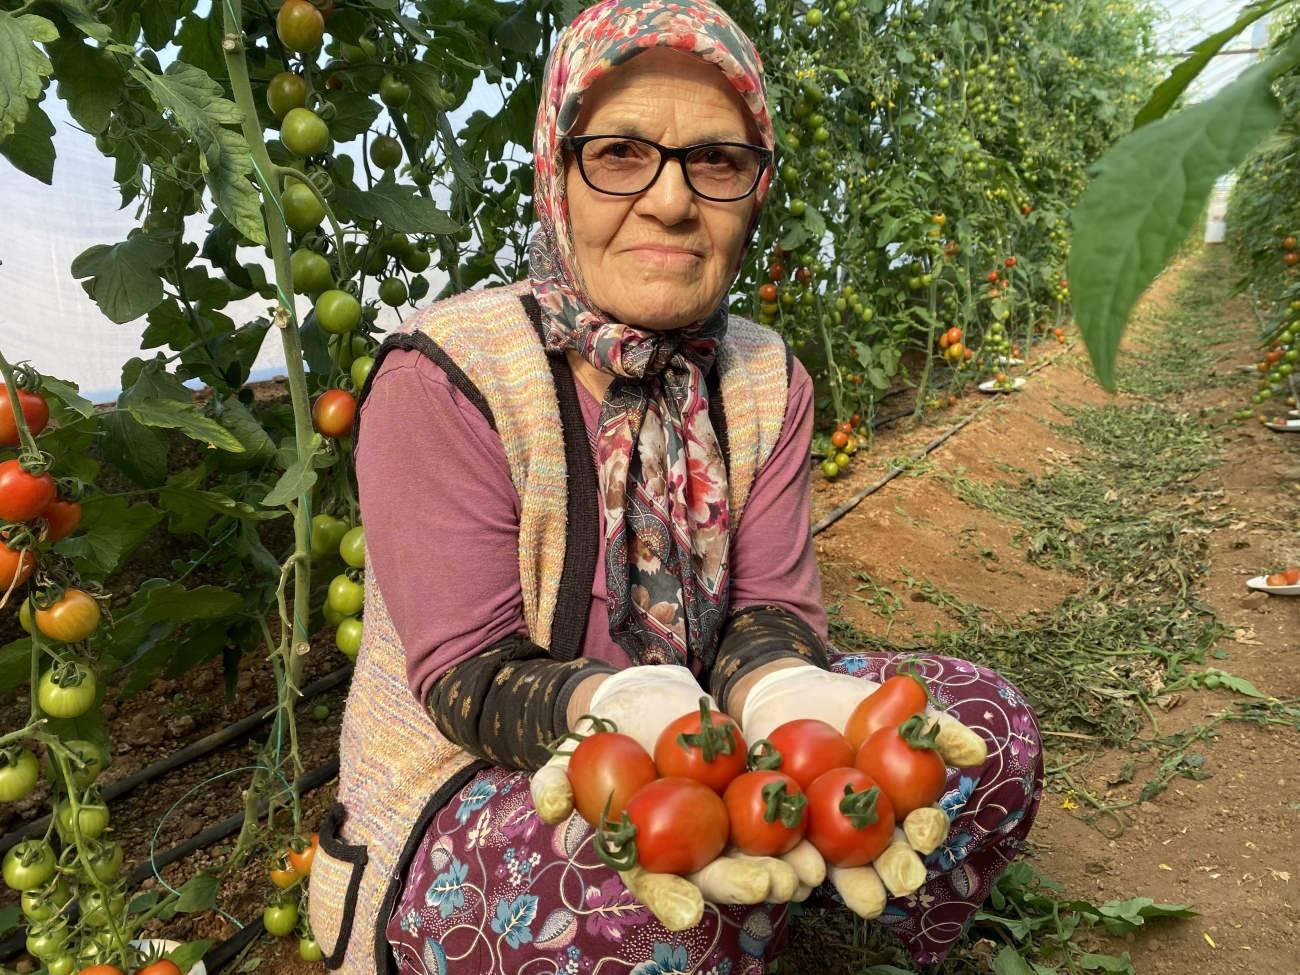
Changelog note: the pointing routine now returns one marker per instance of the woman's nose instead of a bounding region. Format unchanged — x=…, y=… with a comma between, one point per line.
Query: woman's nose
x=669, y=200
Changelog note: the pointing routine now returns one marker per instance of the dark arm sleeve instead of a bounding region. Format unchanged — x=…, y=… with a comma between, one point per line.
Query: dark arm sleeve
x=509, y=702
x=758, y=635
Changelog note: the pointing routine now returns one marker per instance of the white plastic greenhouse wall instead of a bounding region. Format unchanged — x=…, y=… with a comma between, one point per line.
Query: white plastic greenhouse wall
x=48, y=319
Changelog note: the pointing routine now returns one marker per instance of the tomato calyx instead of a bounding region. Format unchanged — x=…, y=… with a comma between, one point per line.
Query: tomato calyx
x=859, y=808
x=712, y=739
x=615, y=842
x=764, y=757
x=913, y=732
x=780, y=804
x=598, y=726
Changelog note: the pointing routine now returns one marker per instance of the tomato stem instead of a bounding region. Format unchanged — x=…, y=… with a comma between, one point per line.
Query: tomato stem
x=712, y=739
x=913, y=732
x=763, y=757
x=780, y=803
x=616, y=842
x=859, y=808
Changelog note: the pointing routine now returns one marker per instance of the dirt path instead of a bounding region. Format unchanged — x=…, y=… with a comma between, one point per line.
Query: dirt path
x=1223, y=843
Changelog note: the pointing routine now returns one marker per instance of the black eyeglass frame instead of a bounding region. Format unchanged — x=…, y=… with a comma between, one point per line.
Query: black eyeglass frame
x=575, y=144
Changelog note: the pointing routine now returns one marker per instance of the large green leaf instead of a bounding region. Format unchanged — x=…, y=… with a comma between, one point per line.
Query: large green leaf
x=1148, y=192
x=1167, y=92
x=30, y=146
x=23, y=66
x=354, y=112
x=138, y=451
x=124, y=279
x=186, y=418
x=80, y=16
x=89, y=79
x=398, y=206
x=202, y=110
x=113, y=529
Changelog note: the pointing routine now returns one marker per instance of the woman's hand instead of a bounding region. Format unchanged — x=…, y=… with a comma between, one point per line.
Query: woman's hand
x=641, y=702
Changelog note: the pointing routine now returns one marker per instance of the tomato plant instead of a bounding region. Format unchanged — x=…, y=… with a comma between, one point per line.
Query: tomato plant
x=850, y=820
x=696, y=746
x=605, y=771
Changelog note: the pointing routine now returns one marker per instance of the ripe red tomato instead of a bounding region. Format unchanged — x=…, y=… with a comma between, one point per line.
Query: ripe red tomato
x=776, y=270
x=768, y=813
x=809, y=748
x=101, y=970
x=993, y=277
x=803, y=275
x=163, y=966
x=906, y=764
x=1290, y=258
x=15, y=565
x=681, y=825
x=1275, y=579
x=71, y=619
x=24, y=496
x=1292, y=575
x=63, y=517
x=301, y=860
x=839, y=439
x=856, y=418
x=896, y=700
x=953, y=335
x=702, y=746
x=334, y=413
x=767, y=291
x=35, y=411
x=1288, y=243
x=850, y=819
x=608, y=767
x=1010, y=262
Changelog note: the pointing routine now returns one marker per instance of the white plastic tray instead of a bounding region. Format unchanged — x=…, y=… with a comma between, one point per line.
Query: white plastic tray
x=1259, y=584
x=991, y=386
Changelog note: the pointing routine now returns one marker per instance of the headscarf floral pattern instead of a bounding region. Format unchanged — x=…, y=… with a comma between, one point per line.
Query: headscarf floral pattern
x=662, y=475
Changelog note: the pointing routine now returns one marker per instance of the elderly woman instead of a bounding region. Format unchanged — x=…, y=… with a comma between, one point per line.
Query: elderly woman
x=588, y=494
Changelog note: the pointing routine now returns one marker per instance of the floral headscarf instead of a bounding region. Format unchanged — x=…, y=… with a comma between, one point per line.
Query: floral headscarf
x=661, y=471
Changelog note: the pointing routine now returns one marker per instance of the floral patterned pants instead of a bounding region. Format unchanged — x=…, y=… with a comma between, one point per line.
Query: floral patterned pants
x=494, y=891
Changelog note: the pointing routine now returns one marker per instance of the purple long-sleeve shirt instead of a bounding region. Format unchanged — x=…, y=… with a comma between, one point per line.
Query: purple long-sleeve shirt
x=442, y=522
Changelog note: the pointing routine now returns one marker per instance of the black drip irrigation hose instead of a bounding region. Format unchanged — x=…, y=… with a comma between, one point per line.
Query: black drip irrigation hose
x=222, y=953
x=195, y=749
x=839, y=512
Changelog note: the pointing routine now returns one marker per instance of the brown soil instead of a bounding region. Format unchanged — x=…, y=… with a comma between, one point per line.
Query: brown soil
x=1224, y=845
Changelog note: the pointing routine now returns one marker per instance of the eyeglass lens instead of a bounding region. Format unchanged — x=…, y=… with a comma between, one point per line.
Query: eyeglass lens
x=616, y=165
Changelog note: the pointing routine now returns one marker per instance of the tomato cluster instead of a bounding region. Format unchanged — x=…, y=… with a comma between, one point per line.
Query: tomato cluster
x=703, y=789
x=844, y=442
x=345, y=597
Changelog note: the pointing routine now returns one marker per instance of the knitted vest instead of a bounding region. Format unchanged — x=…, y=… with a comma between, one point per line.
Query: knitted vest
x=396, y=770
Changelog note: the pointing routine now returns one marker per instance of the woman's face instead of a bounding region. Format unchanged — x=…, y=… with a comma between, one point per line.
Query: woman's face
x=664, y=258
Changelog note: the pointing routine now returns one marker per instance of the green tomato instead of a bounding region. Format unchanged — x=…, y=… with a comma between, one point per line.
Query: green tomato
x=337, y=311
x=309, y=950
x=302, y=211
x=28, y=865
x=320, y=712
x=332, y=617
x=393, y=91
x=105, y=860
x=19, y=772
x=361, y=367
x=285, y=92
x=353, y=547
x=46, y=901
x=311, y=272
x=348, y=637
x=392, y=291
x=61, y=964
x=345, y=596
x=395, y=245
x=358, y=53
x=66, y=690
x=280, y=918
x=86, y=762
x=326, y=533
x=797, y=208
x=98, y=909
x=47, y=938
x=386, y=152
x=830, y=468
x=304, y=132
x=813, y=17
x=92, y=818
x=417, y=259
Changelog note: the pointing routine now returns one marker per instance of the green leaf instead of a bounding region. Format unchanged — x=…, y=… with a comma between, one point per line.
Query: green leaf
x=30, y=146
x=1009, y=962
x=426, y=86
x=1091, y=962
x=198, y=894
x=79, y=14
x=89, y=81
x=114, y=529
x=174, y=603
x=296, y=481
x=1148, y=193
x=186, y=418
x=521, y=31
x=124, y=279
x=1167, y=92
x=23, y=66
x=15, y=664
x=202, y=110
x=354, y=113
x=192, y=508
x=10, y=916
x=189, y=955
x=398, y=206
x=138, y=451
x=67, y=393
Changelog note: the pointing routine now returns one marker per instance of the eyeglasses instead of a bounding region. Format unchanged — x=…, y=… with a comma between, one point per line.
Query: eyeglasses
x=623, y=165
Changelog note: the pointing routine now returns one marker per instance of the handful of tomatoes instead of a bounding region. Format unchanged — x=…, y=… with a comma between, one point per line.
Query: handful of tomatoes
x=704, y=791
